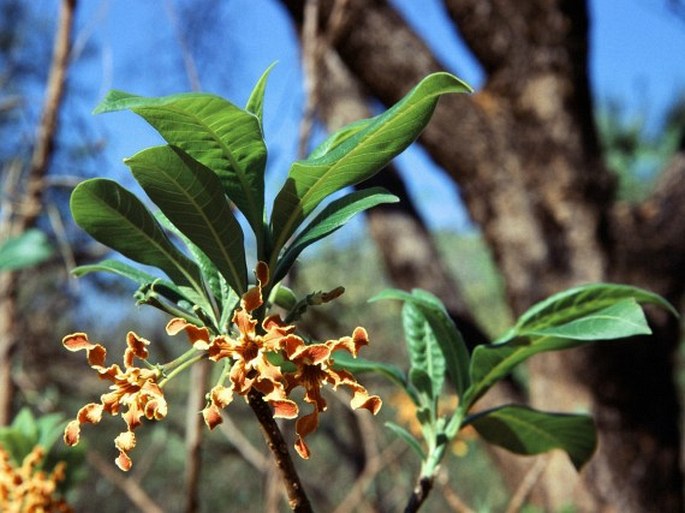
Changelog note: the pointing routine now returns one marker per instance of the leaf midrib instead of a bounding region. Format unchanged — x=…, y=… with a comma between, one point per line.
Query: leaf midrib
x=155, y=244
x=210, y=225
x=239, y=172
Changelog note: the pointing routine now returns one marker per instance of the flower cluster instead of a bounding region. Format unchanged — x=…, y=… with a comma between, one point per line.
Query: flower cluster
x=134, y=389
x=249, y=353
x=25, y=488
x=311, y=365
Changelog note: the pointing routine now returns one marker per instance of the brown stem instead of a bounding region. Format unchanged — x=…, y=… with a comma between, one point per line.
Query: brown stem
x=419, y=495
x=297, y=498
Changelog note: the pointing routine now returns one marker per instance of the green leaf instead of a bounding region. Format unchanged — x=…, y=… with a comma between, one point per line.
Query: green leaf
x=446, y=333
x=331, y=218
x=343, y=360
x=523, y=430
x=407, y=437
x=357, y=155
x=226, y=139
x=25, y=250
x=164, y=287
x=190, y=196
x=577, y=302
x=209, y=271
x=255, y=103
x=572, y=318
x=425, y=354
x=115, y=217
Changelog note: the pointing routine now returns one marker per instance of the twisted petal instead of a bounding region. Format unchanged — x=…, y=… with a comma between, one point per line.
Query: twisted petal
x=219, y=397
x=125, y=442
x=96, y=353
x=199, y=336
x=303, y=427
x=136, y=347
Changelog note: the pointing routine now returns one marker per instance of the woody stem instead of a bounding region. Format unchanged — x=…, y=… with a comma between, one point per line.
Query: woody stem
x=297, y=498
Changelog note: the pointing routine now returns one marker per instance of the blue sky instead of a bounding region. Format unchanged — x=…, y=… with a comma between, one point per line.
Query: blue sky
x=637, y=59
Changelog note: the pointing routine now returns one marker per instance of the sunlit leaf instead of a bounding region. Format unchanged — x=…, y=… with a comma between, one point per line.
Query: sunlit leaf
x=331, y=218
x=523, y=430
x=358, y=155
x=223, y=137
x=572, y=318
x=255, y=103
x=115, y=217
x=190, y=196
x=569, y=305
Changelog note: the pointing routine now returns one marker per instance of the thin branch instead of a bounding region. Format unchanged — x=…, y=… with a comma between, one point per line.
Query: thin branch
x=241, y=444
x=297, y=498
x=188, y=60
x=31, y=200
x=62, y=242
x=199, y=376
x=456, y=503
x=129, y=486
x=47, y=129
x=315, y=45
x=529, y=481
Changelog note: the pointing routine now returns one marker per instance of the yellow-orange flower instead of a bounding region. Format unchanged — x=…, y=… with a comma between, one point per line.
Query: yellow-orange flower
x=26, y=489
x=314, y=364
x=134, y=389
x=248, y=351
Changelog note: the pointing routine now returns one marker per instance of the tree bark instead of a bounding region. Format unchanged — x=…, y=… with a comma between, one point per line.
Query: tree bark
x=525, y=154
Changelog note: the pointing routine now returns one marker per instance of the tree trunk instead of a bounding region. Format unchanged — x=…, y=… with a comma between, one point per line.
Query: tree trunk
x=525, y=154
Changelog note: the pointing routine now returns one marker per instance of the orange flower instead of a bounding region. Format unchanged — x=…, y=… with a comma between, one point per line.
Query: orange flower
x=133, y=388
x=248, y=351
x=24, y=488
x=315, y=368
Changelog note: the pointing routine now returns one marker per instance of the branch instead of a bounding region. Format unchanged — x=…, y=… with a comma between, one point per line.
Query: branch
x=31, y=200
x=653, y=231
x=199, y=374
x=129, y=486
x=297, y=498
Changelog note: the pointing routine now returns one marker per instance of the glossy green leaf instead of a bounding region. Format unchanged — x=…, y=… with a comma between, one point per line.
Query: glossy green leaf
x=255, y=103
x=523, y=430
x=425, y=354
x=572, y=318
x=115, y=217
x=162, y=286
x=223, y=137
x=407, y=437
x=331, y=218
x=446, y=333
x=337, y=138
x=583, y=301
x=190, y=196
x=25, y=250
x=357, y=156
x=346, y=361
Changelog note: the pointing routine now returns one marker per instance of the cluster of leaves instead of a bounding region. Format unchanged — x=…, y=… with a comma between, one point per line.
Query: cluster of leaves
x=215, y=159
x=438, y=355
